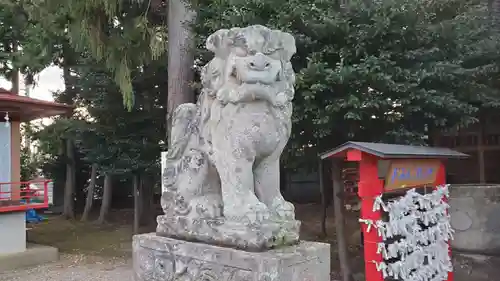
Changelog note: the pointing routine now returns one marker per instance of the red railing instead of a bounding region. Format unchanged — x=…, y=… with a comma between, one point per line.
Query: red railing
x=21, y=196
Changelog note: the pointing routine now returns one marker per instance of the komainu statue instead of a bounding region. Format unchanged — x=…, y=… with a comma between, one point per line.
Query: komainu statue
x=221, y=180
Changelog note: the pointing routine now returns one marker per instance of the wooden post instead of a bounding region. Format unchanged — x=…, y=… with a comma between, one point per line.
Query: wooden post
x=15, y=140
x=369, y=187
x=338, y=205
x=441, y=180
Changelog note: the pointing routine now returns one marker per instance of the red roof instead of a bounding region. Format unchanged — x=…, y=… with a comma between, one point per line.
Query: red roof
x=21, y=108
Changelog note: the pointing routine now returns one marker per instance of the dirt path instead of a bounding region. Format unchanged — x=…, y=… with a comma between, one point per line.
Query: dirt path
x=86, y=241
x=75, y=268
x=476, y=267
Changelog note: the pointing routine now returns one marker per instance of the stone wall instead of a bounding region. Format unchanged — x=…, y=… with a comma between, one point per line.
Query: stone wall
x=475, y=216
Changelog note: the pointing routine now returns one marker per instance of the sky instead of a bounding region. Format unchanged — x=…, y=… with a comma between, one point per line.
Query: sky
x=46, y=82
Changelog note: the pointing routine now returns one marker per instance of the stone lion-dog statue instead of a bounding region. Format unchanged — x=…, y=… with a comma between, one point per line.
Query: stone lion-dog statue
x=221, y=178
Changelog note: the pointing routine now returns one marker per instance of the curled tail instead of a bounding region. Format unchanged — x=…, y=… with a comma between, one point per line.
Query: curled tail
x=183, y=130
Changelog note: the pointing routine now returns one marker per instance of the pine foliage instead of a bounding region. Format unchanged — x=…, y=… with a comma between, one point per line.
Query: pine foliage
x=118, y=33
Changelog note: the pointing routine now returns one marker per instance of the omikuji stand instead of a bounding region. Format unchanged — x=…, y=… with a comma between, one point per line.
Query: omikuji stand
x=387, y=168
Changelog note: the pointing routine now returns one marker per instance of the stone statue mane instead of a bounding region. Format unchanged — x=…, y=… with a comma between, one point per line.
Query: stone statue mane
x=221, y=172
x=227, y=78
x=252, y=58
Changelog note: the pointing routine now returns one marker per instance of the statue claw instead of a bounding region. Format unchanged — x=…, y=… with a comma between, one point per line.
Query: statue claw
x=283, y=209
x=254, y=213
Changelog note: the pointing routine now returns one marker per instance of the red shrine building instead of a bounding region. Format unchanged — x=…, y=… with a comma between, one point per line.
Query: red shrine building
x=15, y=196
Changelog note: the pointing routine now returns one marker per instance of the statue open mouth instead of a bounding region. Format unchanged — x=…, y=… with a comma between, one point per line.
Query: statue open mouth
x=253, y=77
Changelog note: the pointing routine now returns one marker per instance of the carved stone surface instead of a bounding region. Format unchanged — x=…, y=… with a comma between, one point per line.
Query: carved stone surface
x=474, y=211
x=159, y=258
x=221, y=180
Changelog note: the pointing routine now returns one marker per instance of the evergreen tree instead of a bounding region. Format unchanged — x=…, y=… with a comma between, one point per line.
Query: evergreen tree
x=385, y=70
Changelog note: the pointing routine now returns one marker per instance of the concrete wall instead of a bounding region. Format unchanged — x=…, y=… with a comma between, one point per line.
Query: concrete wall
x=475, y=216
x=12, y=233
x=5, y=156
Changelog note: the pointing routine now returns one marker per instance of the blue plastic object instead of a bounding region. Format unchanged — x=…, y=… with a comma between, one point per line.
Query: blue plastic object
x=33, y=217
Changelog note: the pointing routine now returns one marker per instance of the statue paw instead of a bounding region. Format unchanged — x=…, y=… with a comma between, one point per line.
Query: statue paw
x=258, y=213
x=284, y=210
x=250, y=213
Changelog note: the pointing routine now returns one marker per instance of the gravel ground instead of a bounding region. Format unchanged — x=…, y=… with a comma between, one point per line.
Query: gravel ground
x=90, y=268
x=476, y=267
x=75, y=268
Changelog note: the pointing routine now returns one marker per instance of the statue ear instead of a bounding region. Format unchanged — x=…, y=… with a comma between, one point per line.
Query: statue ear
x=217, y=41
x=288, y=45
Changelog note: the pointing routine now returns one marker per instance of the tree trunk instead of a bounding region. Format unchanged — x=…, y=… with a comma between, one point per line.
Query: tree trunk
x=147, y=203
x=326, y=191
x=494, y=6
x=180, y=57
x=338, y=206
x=106, y=198
x=323, y=198
x=15, y=71
x=15, y=81
x=69, y=188
x=137, y=203
x=28, y=132
x=90, y=193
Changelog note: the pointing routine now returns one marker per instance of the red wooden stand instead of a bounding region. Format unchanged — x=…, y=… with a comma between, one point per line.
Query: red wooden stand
x=388, y=167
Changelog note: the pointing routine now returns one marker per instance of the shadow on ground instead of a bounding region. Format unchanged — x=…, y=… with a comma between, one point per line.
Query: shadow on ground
x=476, y=267
x=114, y=240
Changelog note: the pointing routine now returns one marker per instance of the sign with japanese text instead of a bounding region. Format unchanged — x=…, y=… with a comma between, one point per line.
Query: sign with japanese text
x=408, y=173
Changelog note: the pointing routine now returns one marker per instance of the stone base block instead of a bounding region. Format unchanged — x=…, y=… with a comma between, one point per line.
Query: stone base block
x=12, y=233
x=159, y=258
x=33, y=255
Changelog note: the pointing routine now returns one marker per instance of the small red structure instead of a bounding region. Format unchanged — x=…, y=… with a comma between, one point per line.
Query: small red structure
x=15, y=196
x=385, y=168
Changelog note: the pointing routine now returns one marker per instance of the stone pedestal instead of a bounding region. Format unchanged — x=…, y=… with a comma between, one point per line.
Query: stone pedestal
x=159, y=258
x=12, y=232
